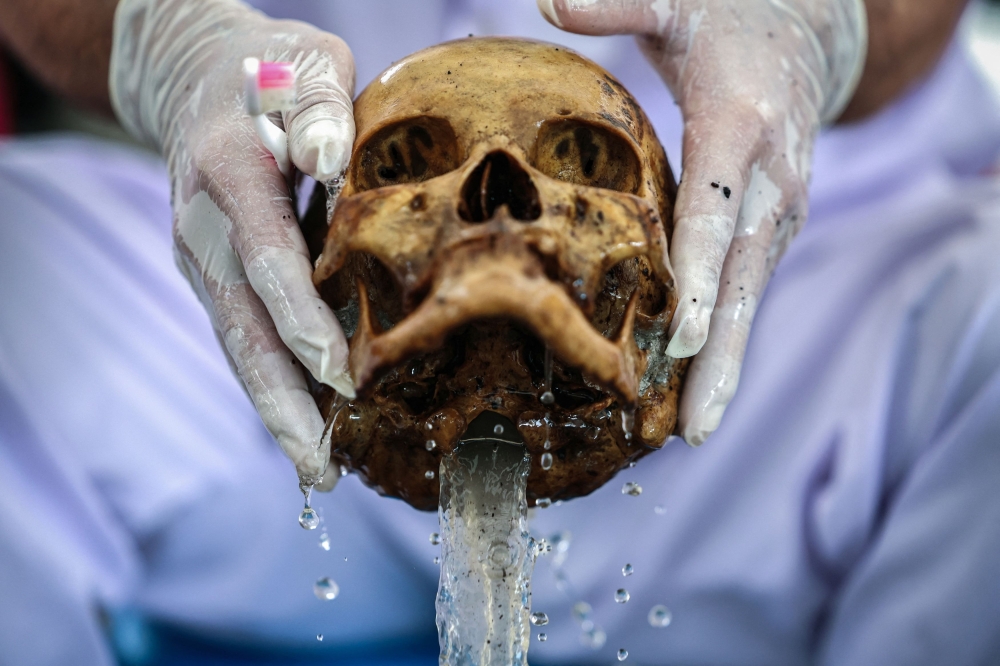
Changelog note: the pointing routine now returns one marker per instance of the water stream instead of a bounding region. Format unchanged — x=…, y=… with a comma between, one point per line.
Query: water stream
x=487, y=555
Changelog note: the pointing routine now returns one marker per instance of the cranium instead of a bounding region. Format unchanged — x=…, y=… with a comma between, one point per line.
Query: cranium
x=506, y=197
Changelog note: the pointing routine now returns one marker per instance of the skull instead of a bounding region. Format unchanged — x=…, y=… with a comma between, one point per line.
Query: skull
x=500, y=247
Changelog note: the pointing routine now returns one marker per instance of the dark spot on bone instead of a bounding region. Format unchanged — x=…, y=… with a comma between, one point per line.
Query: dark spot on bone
x=581, y=209
x=589, y=151
x=420, y=134
x=715, y=185
x=563, y=112
x=600, y=216
x=418, y=202
x=562, y=148
x=398, y=165
x=726, y=192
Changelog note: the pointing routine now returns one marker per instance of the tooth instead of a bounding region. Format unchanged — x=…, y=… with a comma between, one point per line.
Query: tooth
x=361, y=359
x=633, y=358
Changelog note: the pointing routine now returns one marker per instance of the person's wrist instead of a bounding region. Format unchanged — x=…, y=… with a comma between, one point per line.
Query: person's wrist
x=840, y=28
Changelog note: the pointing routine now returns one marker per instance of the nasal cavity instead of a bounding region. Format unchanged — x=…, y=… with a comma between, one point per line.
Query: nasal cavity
x=499, y=181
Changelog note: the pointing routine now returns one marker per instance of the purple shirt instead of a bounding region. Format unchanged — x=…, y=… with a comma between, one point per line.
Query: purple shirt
x=846, y=512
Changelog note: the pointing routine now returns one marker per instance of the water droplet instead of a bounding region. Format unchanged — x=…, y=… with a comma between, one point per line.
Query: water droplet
x=622, y=654
x=628, y=423
x=435, y=538
x=627, y=570
x=660, y=616
x=429, y=474
x=498, y=429
x=659, y=509
x=309, y=519
x=593, y=433
x=430, y=445
x=539, y=619
x=631, y=488
x=429, y=425
x=547, y=398
x=324, y=541
x=547, y=445
x=437, y=560
x=621, y=596
x=631, y=464
x=542, y=637
x=543, y=502
x=326, y=589
x=343, y=470
x=546, y=461
x=594, y=638
x=319, y=637
x=581, y=611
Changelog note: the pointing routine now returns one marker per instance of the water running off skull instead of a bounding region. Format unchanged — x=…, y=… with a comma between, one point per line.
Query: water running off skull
x=487, y=555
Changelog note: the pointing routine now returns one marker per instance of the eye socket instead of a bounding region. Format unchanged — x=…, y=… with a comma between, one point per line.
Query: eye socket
x=409, y=151
x=586, y=154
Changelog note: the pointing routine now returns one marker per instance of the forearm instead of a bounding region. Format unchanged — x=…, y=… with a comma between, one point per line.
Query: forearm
x=65, y=43
x=905, y=40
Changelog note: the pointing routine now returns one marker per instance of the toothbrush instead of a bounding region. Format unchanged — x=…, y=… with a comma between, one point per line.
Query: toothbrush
x=270, y=86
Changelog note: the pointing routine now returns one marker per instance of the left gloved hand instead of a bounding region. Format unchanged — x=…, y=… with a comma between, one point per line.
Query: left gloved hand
x=176, y=82
x=754, y=80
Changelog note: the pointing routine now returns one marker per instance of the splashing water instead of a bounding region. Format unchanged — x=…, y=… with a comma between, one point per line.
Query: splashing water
x=581, y=611
x=324, y=541
x=593, y=638
x=547, y=397
x=484, y=599
x=622, y=595
x=309, y=519
x=627, y=570
x=542, y=637
x=622, y=654
x=539, y=619
x=631, y=488
x=660, y=616
x=628, y=423
x=326, y=589
x=546, y=461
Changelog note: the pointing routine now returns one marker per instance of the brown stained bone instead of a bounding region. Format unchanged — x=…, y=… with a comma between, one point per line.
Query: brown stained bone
x=504, y=196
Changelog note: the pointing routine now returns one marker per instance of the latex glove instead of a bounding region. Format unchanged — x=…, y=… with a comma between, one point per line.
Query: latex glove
x=754, y=80
x=176, y=82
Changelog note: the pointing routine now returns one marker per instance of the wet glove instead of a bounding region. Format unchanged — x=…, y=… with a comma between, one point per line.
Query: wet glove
x=176, y=83
x=754, y=80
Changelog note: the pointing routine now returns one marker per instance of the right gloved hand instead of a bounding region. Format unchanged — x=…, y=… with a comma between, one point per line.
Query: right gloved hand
x=754, y=80
x=176, y=82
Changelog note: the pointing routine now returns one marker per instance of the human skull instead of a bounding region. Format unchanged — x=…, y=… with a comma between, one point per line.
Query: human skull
x=507, y=203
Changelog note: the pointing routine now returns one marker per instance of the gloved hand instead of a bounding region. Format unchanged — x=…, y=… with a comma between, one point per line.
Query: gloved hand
x=754, y=80
x=176, y=82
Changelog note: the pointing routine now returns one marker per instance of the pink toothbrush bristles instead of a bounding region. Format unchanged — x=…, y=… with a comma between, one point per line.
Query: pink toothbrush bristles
x=275, y=75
